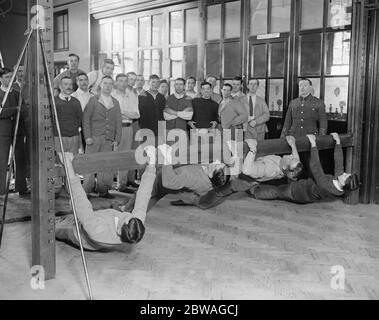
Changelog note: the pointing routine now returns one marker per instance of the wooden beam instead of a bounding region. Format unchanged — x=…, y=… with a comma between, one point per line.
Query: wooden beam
x=97, y=162
x=357, y=91
x=43, y=210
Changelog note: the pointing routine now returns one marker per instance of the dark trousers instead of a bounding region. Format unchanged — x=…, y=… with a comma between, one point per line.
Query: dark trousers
x=301, y=192
x=5, y=145
x=22, y=162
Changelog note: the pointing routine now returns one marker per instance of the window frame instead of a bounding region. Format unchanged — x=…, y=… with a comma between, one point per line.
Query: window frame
x=56, y=15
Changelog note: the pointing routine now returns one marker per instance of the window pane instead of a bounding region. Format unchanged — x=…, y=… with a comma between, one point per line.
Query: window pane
x=60, y=41
x=157, y=30
x=192, y=25
x=65, y=35
x=233, y=19
x=276, y=88
x=144, y=62
x=156, y=62
x=59, y=23
x=337, y=53
x=65, y=22
x=128, y=61
x=336, y=96
x=176, y=55
x=277, y=59
x=281, y=16
x=105, y=37
x=312, y=12
x=232, y=61
x=129, y=33
x=176, y=27
x=258, y=17
x=190, y=54
x=117, y=36
x=144, y=32
x=310, y=63
x=258, y=60
x=339, y=13
x=213, y=59
x=214, y=22
x=117, y=59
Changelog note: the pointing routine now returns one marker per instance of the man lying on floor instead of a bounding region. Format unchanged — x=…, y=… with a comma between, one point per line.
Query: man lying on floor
x=189, y=181
x=256, y=170
x=325, y=187
x=109, y=229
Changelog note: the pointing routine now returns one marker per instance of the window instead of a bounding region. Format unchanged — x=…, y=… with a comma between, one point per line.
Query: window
x=192, y=25
x=61, y=30
x=144, y=32
x=214, y=22
x=258, y=17
x=270, y=16
x=176, y=27
x=312, y=12
x=233, y=19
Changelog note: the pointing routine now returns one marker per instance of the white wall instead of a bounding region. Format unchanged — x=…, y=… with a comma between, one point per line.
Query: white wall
x=79, y=31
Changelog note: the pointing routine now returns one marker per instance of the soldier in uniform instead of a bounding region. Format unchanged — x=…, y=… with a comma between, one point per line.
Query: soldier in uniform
x=306, y=114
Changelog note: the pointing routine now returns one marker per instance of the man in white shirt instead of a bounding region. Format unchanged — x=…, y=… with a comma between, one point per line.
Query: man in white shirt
x=191, y=84
x=95, y=77
x=259, y=113
x=82, y=94
x=128, y=99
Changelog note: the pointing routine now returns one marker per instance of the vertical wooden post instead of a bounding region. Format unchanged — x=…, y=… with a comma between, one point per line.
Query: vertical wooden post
x=42, y=147
x=201, y=43
x=356, y=94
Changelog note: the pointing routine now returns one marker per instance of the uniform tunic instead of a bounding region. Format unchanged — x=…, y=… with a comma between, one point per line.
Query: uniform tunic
x=305, y=116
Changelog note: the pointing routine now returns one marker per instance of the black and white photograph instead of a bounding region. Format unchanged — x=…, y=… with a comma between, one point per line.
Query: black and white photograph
x=172, y=151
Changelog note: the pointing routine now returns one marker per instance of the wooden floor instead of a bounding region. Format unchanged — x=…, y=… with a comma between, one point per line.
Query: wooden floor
x=244, y=249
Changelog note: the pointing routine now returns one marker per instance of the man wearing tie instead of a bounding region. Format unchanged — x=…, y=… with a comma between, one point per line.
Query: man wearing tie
x=259, y=113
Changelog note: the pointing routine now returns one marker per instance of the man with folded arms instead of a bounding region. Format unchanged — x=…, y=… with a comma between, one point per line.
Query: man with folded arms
x=178, y=109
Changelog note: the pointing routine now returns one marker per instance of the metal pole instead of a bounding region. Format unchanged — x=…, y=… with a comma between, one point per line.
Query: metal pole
x=50, y=88
x=11, y=166
x=15, y=71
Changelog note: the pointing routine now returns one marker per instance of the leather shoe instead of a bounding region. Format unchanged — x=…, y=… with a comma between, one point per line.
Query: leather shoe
x=210, y=200
x=126, y=190
x=132, y=184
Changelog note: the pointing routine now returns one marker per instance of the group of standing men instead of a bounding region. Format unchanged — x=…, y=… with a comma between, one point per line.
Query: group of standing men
x=98, y=112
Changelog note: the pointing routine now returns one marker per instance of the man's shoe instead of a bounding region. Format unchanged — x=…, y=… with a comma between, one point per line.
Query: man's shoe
x=133, y=184
x=106, y=195
x=27, y=194
x=224, y=190
x=180, y=203
x=126, y=190
x=210, y=200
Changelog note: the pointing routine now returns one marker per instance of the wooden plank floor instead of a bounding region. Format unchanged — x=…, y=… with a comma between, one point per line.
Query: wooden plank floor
x=244, y=249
